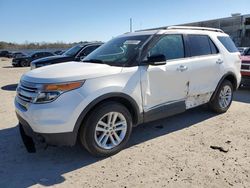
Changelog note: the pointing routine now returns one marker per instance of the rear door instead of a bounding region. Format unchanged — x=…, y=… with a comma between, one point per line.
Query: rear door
x=204, y=65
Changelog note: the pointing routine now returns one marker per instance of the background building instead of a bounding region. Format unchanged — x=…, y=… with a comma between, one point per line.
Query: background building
x=237, y=26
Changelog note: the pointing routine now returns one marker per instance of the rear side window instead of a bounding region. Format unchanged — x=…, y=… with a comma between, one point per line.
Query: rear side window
x=171, y=46
x=201, y=45
x=228, y=44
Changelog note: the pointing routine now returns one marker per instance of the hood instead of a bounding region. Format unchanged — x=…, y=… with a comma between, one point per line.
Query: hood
x=70, y=71
x=52, y=59
x=245, y=58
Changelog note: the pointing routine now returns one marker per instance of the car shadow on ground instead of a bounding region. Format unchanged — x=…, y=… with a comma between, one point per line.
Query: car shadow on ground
x=10, y=87
x=8, y=67
x=46, y=167
x=242, y=95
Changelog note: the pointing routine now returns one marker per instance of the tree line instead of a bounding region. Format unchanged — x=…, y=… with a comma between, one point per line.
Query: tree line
x=37, y=45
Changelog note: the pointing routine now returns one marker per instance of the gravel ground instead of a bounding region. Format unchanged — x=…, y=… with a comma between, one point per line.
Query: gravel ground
x=174, y=152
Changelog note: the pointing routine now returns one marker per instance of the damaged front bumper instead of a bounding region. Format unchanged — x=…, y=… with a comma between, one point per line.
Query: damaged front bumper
x=31, y=138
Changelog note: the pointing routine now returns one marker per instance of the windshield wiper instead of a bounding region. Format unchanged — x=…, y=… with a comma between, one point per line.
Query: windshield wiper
x=93, y=61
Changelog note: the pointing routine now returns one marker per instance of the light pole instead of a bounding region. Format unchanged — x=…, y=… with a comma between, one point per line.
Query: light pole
x=131, y=26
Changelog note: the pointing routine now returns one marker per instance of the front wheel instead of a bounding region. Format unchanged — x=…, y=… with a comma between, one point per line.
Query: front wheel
x=107, y=129
x=24, y=64
x=223, y=97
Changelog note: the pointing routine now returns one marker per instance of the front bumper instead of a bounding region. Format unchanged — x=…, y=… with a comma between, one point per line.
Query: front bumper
x=51, y=123
x=30, y=138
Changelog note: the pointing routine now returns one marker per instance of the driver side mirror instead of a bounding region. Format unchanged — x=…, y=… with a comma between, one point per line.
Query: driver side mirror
x=158, y=59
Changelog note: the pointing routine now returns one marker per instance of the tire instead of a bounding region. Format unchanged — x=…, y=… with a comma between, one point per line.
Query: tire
x=99, y=142
x=24, y=64
x=223, y=98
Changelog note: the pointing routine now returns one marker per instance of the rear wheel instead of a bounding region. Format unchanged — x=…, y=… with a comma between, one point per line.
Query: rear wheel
x=107, y=129
x=223, y=98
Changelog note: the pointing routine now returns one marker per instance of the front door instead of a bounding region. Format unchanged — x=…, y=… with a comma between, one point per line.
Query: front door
x=165, y=87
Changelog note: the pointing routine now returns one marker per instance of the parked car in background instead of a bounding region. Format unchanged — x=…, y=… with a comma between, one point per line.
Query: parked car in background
x=26, y=60
x=243, y=50
x=132, y=79
x=76, y=53
x=59, y=52
x=245, y=68
x=18, y=55
x=5, y=53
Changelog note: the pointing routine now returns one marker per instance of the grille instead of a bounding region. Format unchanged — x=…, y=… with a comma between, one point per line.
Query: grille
x=245, y=66
x=26, y=91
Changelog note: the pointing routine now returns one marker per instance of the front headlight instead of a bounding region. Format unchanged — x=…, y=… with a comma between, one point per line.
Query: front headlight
x=49, y=92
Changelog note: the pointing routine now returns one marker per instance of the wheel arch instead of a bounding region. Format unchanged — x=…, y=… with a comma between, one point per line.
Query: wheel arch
x=121, y=98
x=230, y=76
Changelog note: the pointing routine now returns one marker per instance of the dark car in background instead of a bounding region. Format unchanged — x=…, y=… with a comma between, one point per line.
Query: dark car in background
x=76, y=53
x=26, y=60
x=5, y=53
x=59, y=52
x=243, y=50
x=18, y=55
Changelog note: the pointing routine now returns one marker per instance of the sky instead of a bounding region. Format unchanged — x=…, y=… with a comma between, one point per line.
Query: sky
x=101, y=20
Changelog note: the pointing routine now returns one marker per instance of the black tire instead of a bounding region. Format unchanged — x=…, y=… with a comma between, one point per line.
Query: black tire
x=24, y=64
x=215, y=105
x=87, y=131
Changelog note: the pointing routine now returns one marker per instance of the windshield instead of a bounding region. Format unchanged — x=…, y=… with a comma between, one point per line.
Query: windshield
x=118, y=51
x=72, y=51
x=247, y=52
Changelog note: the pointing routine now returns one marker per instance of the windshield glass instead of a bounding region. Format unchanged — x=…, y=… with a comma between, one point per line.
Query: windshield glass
x=72, y=51
x=247, y=52
x=118, y=51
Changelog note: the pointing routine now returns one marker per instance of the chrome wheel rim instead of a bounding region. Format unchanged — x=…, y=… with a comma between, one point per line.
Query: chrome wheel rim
x=110, y=130
x=225, y=97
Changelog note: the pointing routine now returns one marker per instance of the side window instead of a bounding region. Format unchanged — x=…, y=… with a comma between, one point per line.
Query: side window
x=40, y=55
x=170, y=45
x=88, y=50
x=47, y=54
x=199, y=45
x=35, y=55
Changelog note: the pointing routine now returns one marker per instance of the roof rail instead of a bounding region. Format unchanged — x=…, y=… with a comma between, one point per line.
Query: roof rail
x=196, y=28
x=185, y=27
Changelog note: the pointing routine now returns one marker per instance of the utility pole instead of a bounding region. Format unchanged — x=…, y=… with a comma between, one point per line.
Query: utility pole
x=131, y=24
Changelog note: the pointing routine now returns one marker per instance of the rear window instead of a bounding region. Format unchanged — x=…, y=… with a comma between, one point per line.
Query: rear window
x=201, y=45
x=228, y=44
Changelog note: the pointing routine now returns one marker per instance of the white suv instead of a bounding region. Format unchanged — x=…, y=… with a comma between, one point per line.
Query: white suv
x=134, y=78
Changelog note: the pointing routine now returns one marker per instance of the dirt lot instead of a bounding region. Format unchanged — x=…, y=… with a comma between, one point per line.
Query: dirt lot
x=174, y=152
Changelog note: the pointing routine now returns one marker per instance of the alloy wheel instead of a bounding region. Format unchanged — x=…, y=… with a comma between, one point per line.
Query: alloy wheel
x=225, y=96
x=110, y=130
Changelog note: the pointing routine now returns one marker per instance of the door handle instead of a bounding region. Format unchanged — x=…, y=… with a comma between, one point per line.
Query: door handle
x=219, y=61
x=182, y=68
